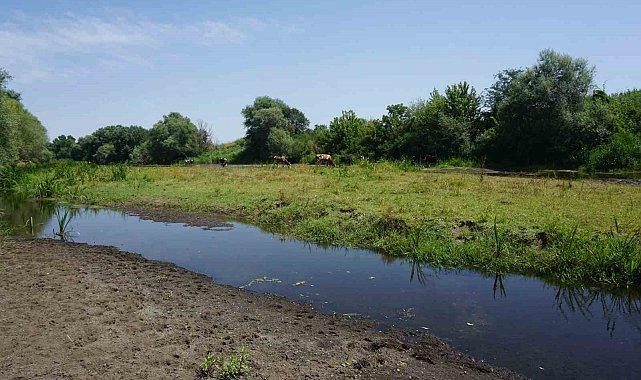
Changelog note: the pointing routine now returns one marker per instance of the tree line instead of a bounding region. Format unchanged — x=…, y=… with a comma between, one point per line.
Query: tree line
x=22, y=136
x=550, y=114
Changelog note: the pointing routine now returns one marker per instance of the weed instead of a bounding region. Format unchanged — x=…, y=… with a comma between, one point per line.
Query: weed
x=235, y=366
x=497, y=239
x=208, y=365
x=46, y=187
x=232, y=368
x=63, y=218
x=119, y=172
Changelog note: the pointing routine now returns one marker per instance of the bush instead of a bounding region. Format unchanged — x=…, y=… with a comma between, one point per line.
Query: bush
x=622, y=152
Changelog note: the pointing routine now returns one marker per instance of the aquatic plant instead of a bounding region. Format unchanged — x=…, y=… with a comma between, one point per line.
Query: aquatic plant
x=63, y=218
x=45, y=188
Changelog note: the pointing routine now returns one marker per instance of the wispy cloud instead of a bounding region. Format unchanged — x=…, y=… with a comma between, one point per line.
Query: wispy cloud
x=30, y=44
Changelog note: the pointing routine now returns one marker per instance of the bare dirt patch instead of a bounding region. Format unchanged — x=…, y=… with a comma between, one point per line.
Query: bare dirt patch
x=78, y=311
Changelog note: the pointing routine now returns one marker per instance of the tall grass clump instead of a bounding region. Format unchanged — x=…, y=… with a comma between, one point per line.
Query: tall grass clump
x=63, y=219
x=11, y=176
x=119, y=172
x=45, y=187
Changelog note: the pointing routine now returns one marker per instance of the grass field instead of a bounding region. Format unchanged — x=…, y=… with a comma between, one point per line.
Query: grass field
x=579, y=231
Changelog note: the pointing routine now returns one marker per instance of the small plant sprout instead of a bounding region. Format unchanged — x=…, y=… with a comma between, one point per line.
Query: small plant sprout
x=208, y=365
x=232, y=368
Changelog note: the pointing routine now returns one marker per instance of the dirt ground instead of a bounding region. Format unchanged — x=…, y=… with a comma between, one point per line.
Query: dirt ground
x=77, y=311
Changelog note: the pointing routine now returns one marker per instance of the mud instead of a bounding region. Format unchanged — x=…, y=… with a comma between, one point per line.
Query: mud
x=77, y=311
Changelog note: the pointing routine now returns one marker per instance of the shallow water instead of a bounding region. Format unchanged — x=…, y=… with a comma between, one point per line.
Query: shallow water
x=517, y=322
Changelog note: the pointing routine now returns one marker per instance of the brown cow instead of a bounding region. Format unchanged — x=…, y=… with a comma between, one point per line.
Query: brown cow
x=326, y=158
x=222, y=162
x=281, y=160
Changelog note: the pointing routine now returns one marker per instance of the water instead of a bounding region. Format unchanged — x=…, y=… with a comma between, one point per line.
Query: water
x=517, y=322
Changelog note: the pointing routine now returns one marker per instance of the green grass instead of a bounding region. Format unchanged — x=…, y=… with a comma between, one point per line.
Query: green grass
x=574, y=232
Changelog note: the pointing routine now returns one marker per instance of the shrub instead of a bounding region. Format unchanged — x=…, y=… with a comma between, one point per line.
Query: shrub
x=622, y=152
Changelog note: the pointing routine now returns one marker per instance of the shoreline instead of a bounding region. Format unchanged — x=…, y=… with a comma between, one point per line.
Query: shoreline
x=96, y=311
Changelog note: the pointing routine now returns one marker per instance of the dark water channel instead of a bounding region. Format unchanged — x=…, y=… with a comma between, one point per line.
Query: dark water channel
x=538, y=329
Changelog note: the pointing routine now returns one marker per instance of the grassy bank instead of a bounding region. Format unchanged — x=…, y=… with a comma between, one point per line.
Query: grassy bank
x=578, y=232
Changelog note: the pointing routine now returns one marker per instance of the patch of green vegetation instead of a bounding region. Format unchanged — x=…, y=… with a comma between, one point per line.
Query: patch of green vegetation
x=232, y=368
x=572, y=231
x=231, y=151
x=457, y=163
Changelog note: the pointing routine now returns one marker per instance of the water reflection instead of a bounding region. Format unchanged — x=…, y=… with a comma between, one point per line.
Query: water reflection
x=612, y=305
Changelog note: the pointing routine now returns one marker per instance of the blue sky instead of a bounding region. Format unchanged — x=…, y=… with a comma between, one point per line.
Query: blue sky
x=82, y=65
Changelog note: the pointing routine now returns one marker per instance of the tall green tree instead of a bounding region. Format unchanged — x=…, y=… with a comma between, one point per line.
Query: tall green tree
x=433, y=134
x=264, y=115
x=65, y=147
x=535, y=110
x=22, y=136
x=345, y=134
x=119, y=141
x=172, y=138
x=8, y=149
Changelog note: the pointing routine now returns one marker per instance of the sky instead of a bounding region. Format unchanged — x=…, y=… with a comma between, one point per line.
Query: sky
x=83, y=65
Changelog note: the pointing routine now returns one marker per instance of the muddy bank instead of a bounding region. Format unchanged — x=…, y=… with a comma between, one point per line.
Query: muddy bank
x=78, y=311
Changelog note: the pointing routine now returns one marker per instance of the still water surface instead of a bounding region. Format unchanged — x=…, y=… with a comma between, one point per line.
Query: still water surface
x=513, y=321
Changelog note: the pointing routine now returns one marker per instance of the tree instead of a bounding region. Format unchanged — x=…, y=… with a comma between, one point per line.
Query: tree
x=627, y=106
x=280, y=143
x=172, y=138
x=65, y=147
x=205, y=135
x=345, y=134
x=8, y=148
x=535, y=110
x=118, y=140
x=264, y=115
x=22, y=136
x=384, y=139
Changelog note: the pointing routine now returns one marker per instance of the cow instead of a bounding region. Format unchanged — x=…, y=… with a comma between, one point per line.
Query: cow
x=189, y=162
x=326, y=158
x=347, y=159
x=222, y=162
x=281, y=160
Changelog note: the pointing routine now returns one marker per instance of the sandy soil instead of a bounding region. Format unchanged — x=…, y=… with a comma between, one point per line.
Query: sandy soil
x=77, y=311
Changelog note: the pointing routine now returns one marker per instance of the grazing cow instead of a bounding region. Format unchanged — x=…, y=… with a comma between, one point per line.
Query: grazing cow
x=281, y=160
x=189, y=162
x=347, y=159
x=222, y=162
x=326, y=158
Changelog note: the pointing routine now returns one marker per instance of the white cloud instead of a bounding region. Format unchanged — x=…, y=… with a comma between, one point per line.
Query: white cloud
x=30, y=44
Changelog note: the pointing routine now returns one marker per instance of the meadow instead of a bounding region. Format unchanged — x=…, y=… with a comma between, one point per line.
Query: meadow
x=579, y=232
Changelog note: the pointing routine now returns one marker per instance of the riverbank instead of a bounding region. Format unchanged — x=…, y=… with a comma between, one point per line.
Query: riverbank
x=574, y=232
x=77, y=311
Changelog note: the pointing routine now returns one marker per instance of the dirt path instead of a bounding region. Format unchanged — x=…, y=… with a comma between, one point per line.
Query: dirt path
x=79, y=311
